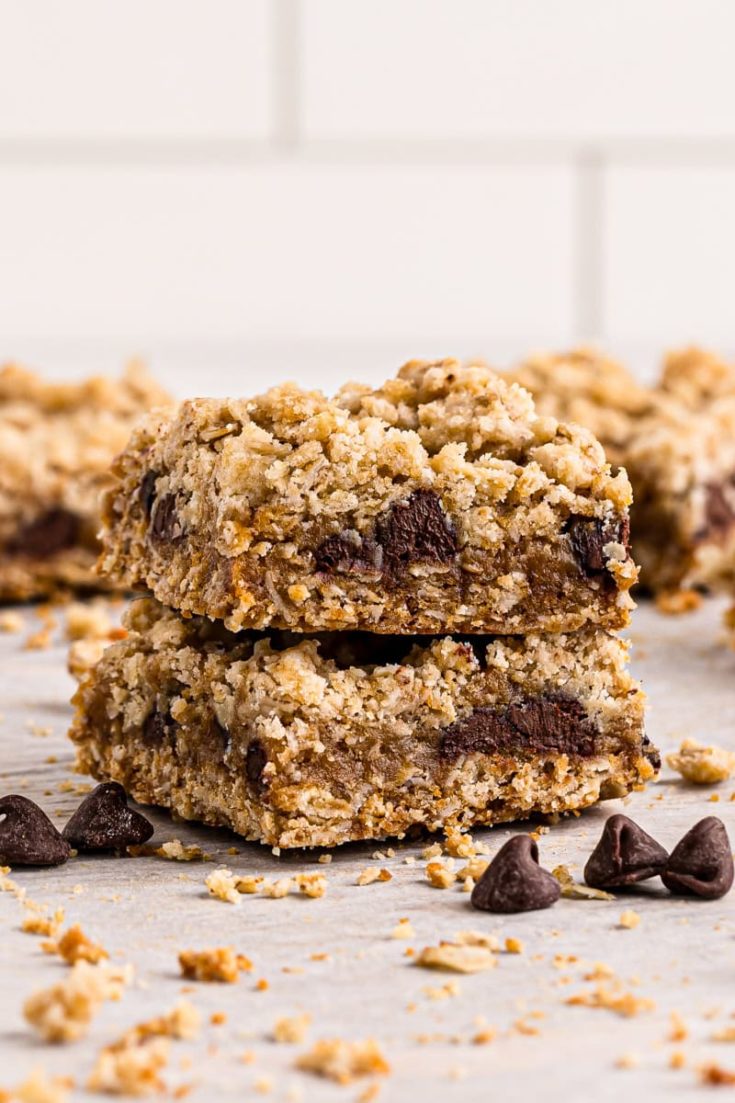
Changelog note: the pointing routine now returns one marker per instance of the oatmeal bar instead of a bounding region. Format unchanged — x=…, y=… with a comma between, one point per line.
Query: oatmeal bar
x=298, y=741
x=57, y=442
x=677, y=443
x=439, y=503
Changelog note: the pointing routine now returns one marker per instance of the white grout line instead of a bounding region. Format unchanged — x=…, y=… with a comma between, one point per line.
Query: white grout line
x=588, y=216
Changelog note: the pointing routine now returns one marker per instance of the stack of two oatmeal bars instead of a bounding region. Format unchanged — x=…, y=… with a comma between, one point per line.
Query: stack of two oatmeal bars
x=393, y=609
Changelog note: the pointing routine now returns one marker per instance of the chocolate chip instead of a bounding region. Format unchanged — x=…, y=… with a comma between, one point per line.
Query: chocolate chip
x=346, y=552
x=588, y=537
x=625, y=855
x=103, y=821
x=147, y=491
x=701, y=863
x=156, y=727
x=27, y=835
x=514, y=881
x=165, y=524
x=414, y=530
x=52, y=532
x=542, y=725
x=719, y=510
x=256, y=758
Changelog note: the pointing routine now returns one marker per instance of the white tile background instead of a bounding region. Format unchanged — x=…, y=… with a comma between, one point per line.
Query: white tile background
x=418, y=175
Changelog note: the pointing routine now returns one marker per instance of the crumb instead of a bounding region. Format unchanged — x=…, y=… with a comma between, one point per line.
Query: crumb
x=440, y=876
x=403, y=929
x=291, y=1029
x=218, y=1018
x=459, y=844
x=223, y=884
x=451, y=988
x=248, y=884
x=38, y=1088
x=612, y=999
x=676, y=602
x=677, y=1060
x=276, y=890
x=679, y=1031
x=74, y=946
x=262, y=985
x=484, y=1036
x=370, y=875
x=522, y=1027
x=219, y=964
x=313, y=885
x=724, y=1034
x=457, y=958
x=716, y=1075
x=702, y=765
x=340, y=1060
x=39, y=923
x=627, y=1061
x=175, y=851
x=131, y=1065
x=432, y=851
x=629, y=919
x=11, y=622
x=574, y=890
x=513, y=946
x=325, y=859
x=63, y=1012
x=473, y=871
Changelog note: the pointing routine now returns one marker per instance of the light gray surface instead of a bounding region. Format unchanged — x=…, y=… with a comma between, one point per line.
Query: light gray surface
x=144, y=910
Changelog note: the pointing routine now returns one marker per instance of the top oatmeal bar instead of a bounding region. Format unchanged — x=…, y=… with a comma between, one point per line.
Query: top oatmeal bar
x=439, y=502
x=56, y=445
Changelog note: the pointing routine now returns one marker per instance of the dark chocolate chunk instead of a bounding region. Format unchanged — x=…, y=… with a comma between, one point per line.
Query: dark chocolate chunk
x=588, y=537
x=27, y=835
x=156, y=727
x=147, y=491
x=414, y=530
x=256, y=759
x=52, y=532
x=165, y=523
x=514, y=881
x=347, y=551
x=719, y=510
x=625, y=855
x=103, y=821
x=701, y=863
x=542, y=725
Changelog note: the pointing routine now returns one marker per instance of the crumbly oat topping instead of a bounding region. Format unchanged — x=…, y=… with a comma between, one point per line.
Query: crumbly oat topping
x=576, y=890
x=300, y=470
x=439, y=875
x=370, y=875
x=219, y=964
x=63, y=1012
x=40, y=1088
x=341, y=1060
x=702, y=765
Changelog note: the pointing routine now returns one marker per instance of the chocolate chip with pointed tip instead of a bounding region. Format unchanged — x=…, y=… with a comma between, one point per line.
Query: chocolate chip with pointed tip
x=103, y=821
x=514, y=881
x=27, y=835
x=701, y=863
x=625, y=855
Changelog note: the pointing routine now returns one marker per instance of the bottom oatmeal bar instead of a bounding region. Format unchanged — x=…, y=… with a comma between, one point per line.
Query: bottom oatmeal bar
x=312, y=741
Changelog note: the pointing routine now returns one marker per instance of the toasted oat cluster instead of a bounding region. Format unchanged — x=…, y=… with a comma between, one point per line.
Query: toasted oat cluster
x=315, y=741
x=57, y=442
x=676, y=440
x=440, y=502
